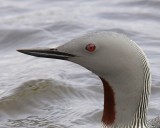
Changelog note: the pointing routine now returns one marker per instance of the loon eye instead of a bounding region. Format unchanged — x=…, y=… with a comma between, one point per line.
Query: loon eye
x=90, y=47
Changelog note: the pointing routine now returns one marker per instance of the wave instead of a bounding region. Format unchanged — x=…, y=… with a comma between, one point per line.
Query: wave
x=47, y=95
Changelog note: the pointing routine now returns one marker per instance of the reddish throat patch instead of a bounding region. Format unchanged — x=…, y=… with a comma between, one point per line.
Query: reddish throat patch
x=109, y=104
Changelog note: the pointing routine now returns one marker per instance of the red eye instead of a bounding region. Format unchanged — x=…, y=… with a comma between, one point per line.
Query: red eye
x=91, y=47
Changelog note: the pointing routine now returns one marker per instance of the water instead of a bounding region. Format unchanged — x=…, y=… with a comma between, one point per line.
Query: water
x=45, y=93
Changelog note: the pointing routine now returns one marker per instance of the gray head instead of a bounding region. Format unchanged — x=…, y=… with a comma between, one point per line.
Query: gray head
x=121, y=66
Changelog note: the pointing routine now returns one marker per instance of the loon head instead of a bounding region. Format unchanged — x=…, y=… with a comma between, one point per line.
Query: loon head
x=122, y=67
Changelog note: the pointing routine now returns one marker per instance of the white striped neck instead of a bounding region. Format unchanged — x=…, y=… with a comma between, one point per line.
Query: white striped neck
x=126, y=98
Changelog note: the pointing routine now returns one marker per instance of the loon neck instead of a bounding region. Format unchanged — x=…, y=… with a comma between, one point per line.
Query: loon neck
x=126, y=101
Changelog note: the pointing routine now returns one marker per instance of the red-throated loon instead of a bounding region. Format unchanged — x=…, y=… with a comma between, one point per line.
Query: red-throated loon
x=123, y=69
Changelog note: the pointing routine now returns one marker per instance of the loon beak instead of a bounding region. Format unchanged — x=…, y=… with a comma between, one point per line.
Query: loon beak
x=47, y=53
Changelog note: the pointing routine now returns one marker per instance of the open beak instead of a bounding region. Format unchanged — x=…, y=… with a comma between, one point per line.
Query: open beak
x=47, y=53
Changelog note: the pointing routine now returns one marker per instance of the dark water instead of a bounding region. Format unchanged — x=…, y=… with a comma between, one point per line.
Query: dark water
x=44, y=93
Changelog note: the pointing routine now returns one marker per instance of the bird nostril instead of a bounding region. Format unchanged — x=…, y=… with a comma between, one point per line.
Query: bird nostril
x=53, y=49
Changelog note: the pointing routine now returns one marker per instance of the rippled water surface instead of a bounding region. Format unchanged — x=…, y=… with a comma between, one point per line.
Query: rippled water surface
x=48, y=93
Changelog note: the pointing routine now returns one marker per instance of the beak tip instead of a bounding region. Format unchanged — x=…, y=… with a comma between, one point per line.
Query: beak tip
x=20, y=50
